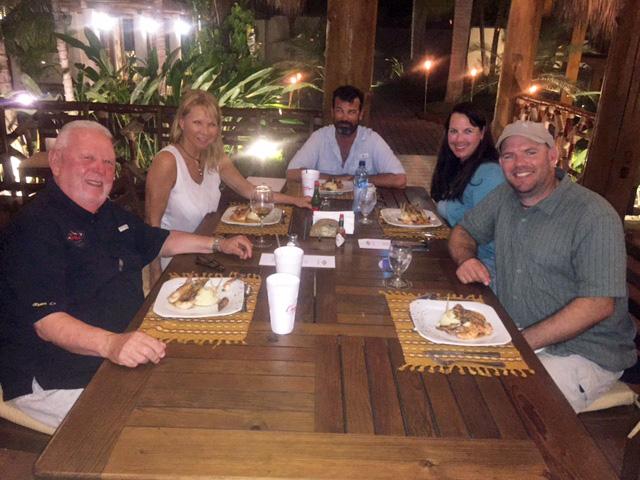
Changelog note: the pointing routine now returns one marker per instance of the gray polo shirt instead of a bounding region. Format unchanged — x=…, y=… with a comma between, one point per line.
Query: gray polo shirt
x=569, y=245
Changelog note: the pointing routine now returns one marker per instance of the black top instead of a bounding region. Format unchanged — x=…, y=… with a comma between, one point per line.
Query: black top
x=58, y=257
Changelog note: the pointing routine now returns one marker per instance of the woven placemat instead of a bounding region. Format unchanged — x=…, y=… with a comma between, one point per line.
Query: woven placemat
x=442, y=232
x=281, y=228
x=424, y=355
x=216, y=330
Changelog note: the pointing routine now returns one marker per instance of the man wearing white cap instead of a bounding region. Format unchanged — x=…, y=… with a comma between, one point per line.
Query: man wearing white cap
x=560, y=261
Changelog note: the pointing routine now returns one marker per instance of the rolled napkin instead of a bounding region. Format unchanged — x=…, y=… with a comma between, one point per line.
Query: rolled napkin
x=349, y=219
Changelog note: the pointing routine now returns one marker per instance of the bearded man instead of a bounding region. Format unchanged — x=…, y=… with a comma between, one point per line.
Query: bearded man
x=336, y=150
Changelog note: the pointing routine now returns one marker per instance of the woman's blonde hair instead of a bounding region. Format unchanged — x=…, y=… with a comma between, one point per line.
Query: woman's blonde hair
x=194, y=98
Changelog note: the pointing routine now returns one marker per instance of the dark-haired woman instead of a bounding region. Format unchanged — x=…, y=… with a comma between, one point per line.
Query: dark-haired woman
x=466, y=171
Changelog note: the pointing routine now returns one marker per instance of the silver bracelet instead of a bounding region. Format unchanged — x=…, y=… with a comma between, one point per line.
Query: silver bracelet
x=215, y=246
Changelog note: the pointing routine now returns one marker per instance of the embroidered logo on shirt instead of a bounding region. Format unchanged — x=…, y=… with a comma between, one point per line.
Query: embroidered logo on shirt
x=43, y=304
x=123, y=227
x=75, y=237
x=363, y=156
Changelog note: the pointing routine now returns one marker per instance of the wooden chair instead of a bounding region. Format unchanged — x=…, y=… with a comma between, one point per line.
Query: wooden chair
x=631, y=457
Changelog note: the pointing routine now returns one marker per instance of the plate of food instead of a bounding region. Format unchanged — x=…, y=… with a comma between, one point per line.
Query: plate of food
x=410, y=216
x=458, y=323
x=242, y=215
x=193, y=297
x=335, y=186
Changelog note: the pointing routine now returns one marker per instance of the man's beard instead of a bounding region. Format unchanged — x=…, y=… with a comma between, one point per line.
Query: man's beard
x=345, y=128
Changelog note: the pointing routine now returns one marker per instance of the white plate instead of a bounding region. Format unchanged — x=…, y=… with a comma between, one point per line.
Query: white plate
x=235, y=293
x=427, y=313
x=274, y=217
x=347, y=186
x=391, y=216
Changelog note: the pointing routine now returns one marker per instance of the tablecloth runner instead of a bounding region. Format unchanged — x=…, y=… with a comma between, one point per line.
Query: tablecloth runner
x=424, y=355
x=392, y=231
x=216, y=330
x=280, y=228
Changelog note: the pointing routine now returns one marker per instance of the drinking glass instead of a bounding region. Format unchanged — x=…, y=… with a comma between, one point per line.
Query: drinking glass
x=367, y=201
x=262, y=204
x=399, y=260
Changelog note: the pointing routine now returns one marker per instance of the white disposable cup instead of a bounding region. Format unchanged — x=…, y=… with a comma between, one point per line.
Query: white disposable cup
x=309, y=178
x=289, y=260
x=282, y=291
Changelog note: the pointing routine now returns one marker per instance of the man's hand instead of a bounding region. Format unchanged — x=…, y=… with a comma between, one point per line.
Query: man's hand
x=134, y=348
x=473, y=270
x=302, y=202
x=238, y=245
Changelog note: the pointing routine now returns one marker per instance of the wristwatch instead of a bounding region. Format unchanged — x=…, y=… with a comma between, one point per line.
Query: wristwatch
x=215, y=246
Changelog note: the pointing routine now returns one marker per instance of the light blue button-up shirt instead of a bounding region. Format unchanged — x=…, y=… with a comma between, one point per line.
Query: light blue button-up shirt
x=321, y=152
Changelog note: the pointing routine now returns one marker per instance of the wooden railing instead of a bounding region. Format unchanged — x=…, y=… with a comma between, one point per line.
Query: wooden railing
x=141, y=130
x=569, y=125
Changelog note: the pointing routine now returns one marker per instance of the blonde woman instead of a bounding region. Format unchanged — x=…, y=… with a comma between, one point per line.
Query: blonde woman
x=183, y=183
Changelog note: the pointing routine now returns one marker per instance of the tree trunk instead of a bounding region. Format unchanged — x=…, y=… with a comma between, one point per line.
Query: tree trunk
x=418, y=28
x=574, y=56
x=459, y=48
x=351, y=35
x=63, y=53
x=502, y=10
x=220, y=9
x=521, y=43
x=613, y=166
x=483, y=52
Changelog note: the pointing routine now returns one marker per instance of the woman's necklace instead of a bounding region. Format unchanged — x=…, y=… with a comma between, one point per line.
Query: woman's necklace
x=195, y=159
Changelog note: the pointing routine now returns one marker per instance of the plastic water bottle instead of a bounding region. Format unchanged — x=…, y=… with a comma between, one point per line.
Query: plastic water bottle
x=360, y=180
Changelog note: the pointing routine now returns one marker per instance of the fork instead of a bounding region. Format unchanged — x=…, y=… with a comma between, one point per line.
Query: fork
x=247, y=292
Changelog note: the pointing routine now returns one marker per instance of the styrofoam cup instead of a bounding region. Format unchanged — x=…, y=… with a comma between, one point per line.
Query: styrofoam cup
x=282, y=292
x=309, y=178
x=289, y=260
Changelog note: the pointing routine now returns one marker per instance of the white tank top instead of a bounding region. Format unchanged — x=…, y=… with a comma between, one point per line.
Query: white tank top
x=189, y=201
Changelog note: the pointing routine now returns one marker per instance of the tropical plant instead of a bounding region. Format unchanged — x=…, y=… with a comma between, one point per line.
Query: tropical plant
x=27, y=31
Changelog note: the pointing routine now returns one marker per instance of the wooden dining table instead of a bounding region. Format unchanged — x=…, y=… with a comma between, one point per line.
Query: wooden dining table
x=329, y=400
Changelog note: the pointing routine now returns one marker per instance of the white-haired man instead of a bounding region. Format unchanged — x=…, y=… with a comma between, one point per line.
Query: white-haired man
x=71, y=264
x=560, y=261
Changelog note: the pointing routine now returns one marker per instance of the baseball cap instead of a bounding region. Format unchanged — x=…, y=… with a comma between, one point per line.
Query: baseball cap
x=532, y=130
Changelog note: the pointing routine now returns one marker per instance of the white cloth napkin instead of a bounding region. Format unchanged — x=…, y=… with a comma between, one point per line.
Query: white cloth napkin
x=349, y=219
x=310, y=261
x=276, y=184
x=374, y=243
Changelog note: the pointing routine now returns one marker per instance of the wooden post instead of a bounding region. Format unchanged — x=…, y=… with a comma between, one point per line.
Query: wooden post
x=574, y=56
x=614, y=155
x=521, y=43
x=351, y=35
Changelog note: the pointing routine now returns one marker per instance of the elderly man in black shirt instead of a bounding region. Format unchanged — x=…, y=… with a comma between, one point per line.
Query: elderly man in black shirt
x=72, y=263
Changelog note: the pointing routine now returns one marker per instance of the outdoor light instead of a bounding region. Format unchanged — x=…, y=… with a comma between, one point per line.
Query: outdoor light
x=25, y=99
x=293, y=79
x=533, y=89
x=148, y=25
x=473, y=73
x=102, y=21
x=263, y=149
x=180, y=27
x=427, y=68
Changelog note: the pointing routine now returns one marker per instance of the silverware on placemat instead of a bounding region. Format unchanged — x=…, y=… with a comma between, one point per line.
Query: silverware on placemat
x=247, y=292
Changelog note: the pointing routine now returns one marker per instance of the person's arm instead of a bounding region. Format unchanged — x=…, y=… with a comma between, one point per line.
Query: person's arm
x=389, y=180
x=182, y=242
x=231, y=176
x=463, y=249
x=129, y=349
x=576, y=317
x=161, y=178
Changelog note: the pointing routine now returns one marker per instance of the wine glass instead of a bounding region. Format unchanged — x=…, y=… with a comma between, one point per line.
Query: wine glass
x=367, y=200
x=262, y=204
x=399, y=260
